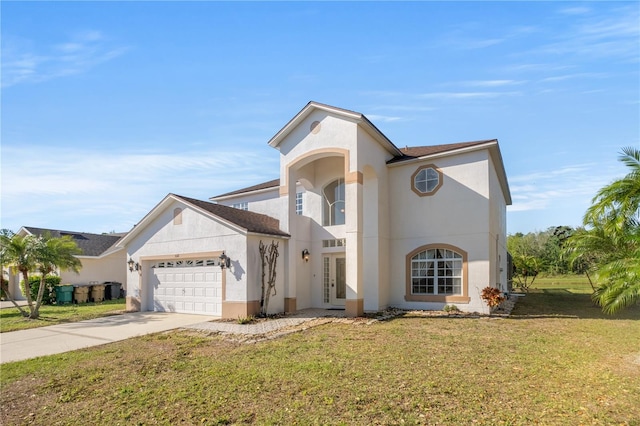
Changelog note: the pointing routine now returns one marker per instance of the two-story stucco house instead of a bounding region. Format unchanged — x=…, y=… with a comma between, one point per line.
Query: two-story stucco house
x=361, y=224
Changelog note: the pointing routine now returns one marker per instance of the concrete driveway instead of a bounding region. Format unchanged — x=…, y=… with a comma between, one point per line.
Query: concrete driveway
x=55, y=339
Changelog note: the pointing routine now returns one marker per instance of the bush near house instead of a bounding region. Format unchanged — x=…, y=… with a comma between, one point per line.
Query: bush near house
x=49, y=295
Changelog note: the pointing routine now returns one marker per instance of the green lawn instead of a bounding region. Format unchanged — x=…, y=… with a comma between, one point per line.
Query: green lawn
x=556, y=361
x=572, y=283
x=11, y=319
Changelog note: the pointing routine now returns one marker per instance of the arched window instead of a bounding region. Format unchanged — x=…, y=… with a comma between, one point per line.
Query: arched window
x=437, y=273
x=333, y=203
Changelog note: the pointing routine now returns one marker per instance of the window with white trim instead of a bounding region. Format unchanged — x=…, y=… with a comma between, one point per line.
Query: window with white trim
x=241, y=206
x=436, y=272
x=338, y=242
x=333, y=195
x=299, y=203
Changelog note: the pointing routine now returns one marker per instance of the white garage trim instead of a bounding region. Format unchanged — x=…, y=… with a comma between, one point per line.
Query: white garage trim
x=192, y=286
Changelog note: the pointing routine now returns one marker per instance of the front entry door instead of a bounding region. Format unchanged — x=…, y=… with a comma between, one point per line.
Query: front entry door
x=338, y=280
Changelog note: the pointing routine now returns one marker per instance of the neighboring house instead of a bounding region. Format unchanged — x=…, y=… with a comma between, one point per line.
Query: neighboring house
x=362, y=225
x=101, y=260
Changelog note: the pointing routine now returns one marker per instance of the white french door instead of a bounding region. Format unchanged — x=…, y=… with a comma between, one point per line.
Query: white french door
x=334, y=277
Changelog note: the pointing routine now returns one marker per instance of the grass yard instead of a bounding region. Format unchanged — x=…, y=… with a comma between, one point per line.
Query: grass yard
x=11, y=319
x=556, y=361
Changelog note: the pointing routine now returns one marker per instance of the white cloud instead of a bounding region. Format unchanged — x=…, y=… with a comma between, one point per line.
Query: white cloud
x=609, y=34
x=571, y=184
x=113, y=190
x=465, y=95
x=578, y=10
x=492, y=83
x=383, y=118
x=22, y=63
x=572, y=76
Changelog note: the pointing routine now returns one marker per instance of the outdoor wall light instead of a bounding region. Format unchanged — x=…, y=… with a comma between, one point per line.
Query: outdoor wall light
x=133, y=265
x=305, y=255
x=225, y=261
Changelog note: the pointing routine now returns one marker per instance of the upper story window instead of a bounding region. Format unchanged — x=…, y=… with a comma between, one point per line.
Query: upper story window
x=426, y=180
x=241, y=206
x=299, y=203
x=333, y=203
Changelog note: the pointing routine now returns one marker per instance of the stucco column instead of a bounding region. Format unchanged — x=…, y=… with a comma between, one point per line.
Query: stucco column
x=355, y=291
x=290, y=246
x=134, y=298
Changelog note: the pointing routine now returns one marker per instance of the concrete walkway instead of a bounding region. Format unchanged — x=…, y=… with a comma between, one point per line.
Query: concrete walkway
x=55, y=339
x=7, y=304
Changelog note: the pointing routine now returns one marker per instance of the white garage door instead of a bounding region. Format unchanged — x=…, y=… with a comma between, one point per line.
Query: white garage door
x=187, y=286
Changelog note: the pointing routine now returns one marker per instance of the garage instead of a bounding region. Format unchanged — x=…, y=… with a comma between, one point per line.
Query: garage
x=192, y=286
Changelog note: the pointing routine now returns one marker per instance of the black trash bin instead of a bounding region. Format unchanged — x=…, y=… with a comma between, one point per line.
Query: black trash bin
x=112, y=290
x=107, y=290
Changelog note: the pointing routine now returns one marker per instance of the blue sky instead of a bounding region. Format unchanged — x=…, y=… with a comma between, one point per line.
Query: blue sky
x=109, y=106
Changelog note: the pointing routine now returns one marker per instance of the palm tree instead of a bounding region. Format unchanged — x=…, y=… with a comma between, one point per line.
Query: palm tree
x=614, y=216
x=38, y=253
x=56, y=253
x=617, y=205
x=21, y=254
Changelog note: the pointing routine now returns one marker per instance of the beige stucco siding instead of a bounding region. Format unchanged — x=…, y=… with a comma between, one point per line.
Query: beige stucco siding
x=112, y=267
x=198, y=235
x=457, y=214
x=498, y=230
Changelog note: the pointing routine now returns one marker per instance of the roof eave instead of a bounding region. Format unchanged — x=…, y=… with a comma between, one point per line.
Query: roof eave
x=379, y=136
x=446, y=153
x=242, y=194
x=494, y=152
x=498, y=164
x=356, y=117
x=266, y=234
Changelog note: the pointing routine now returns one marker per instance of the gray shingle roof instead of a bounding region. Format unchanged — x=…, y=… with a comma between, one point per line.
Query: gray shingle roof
x=90, y=244
x=251, y=221
x=265, y=185
x=410, y=153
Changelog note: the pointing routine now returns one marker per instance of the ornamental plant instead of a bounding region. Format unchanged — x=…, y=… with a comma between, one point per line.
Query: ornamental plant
x=492, y=296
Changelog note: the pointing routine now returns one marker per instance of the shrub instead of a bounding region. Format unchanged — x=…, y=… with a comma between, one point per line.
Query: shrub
x=49, y=295
x=492, y=296
x=246, y=320
x=451, y=308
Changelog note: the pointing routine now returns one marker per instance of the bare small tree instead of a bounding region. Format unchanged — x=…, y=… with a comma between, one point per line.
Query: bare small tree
x=269, y=257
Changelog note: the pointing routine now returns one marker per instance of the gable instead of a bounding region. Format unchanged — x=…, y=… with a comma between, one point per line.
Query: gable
x=316, y=118
x=199, y=218
x=422, y=153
